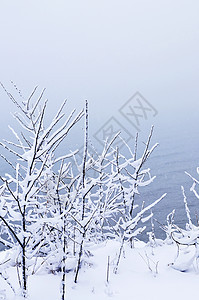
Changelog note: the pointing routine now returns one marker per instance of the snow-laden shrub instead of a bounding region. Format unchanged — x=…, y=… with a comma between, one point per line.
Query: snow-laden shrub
x=186, y=240
x=86, y=208
x=24, y=195
x=51, y=211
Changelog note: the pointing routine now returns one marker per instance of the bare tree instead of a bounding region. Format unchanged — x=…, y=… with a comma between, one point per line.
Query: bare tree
x=23, y=199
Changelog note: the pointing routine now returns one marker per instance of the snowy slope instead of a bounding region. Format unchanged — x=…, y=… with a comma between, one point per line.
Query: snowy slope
x=144, y=273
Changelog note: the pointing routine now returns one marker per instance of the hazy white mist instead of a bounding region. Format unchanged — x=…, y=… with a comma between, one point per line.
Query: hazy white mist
x=105, y=51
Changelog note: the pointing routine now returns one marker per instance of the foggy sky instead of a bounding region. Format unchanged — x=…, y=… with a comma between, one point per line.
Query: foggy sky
x=104, y=51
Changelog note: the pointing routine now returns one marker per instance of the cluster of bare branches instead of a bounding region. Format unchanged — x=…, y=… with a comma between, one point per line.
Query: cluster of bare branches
x=49, y=216
x=23, y=196
x=186, y=239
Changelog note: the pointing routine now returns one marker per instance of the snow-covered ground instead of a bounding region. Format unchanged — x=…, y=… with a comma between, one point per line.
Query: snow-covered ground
x=144, y=273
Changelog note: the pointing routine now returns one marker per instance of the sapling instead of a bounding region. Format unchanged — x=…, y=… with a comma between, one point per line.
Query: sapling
x=90, y=196
x=23, y=198
x=129, y=176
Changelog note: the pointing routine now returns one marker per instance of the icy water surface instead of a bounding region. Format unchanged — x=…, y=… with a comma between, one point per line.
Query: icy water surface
x=177, y=153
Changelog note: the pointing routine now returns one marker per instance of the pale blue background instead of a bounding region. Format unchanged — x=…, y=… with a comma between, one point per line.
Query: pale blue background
x=105, y=51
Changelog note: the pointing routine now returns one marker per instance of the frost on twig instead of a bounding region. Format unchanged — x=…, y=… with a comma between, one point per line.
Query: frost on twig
x=24, y=198
x=52, y=211
x=186, y=239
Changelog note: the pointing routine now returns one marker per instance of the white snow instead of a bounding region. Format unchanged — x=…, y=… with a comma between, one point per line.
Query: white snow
x=144, y=273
